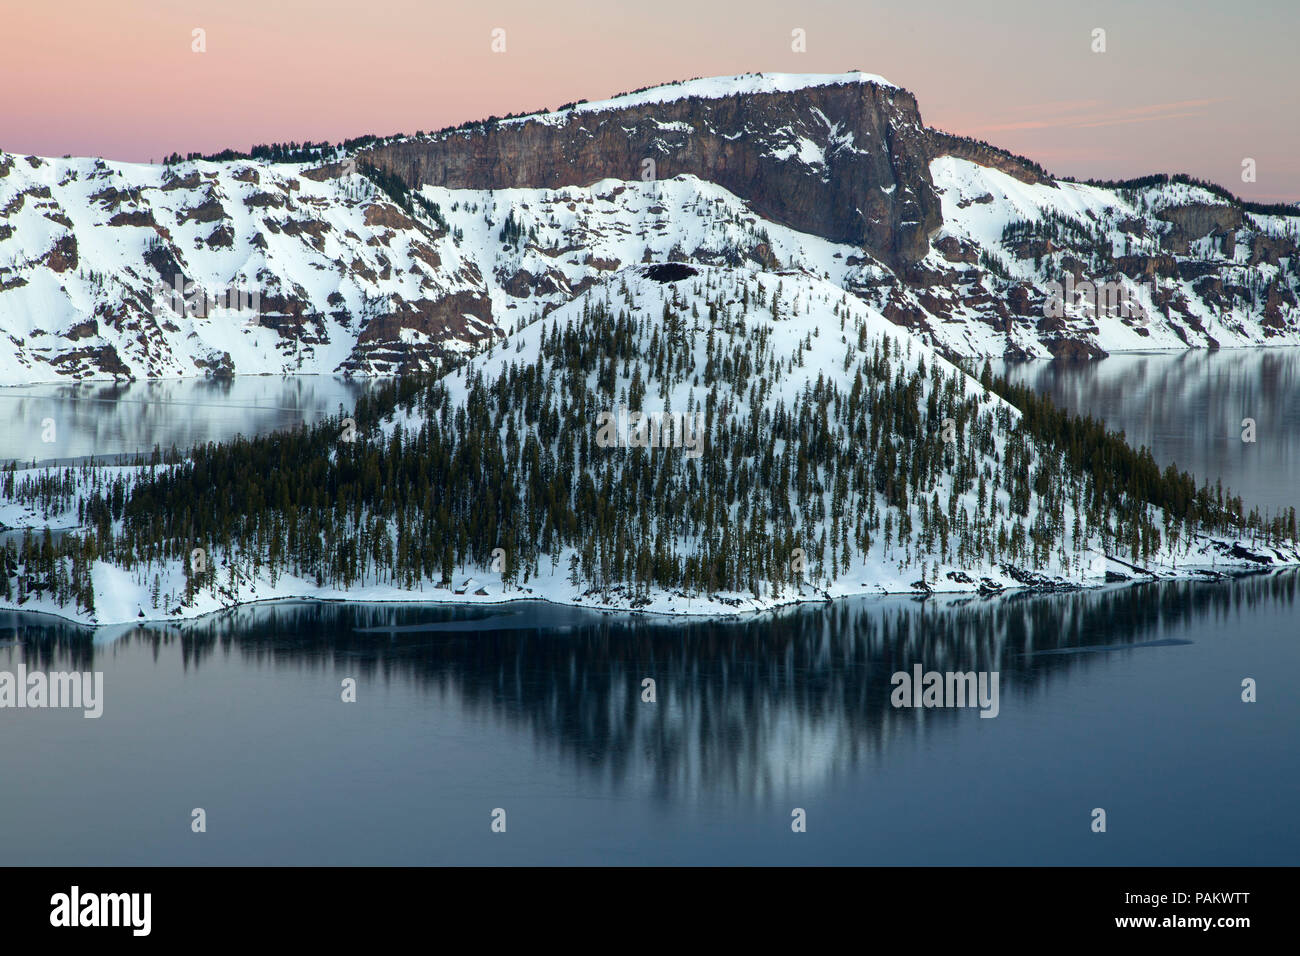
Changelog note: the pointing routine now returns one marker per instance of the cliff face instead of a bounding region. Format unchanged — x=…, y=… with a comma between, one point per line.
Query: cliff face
x=847, y=162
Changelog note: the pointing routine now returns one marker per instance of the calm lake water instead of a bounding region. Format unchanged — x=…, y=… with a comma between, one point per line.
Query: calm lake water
x=538, y=711
x=1125, y=698
x=1188, y=408
x=106, y=419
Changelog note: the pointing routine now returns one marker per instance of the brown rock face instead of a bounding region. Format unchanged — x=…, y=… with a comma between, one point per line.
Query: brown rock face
x=1073, y=350
x=208, y=211
x=1270, y=249
x=946, y=144
x=1147, y=267
x=172, y=181
x=386, y=214
x=103, y=359
x=462, y=316
x=142, y=218
x=328, y=171
x=868, y=181
x=1196, y=220
x=83, y=330
x=63, y=256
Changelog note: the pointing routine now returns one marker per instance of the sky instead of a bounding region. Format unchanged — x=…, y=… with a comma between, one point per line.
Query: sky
x=1191, y=86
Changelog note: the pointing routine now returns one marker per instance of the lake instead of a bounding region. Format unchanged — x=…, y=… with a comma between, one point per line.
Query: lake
x=1188, y=408
x=107, y=419
x=1126, y=698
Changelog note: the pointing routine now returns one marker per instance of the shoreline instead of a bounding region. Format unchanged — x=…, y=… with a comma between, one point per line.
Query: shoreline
x=67, y=382
x=720, y=608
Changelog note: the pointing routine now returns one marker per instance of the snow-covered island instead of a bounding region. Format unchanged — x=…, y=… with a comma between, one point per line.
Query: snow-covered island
x=678, y=438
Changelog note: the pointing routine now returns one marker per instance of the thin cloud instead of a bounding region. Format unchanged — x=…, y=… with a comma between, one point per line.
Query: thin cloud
x=1137, y=114
x=1179, y=105
x=1135, y=119
x=1058, y=106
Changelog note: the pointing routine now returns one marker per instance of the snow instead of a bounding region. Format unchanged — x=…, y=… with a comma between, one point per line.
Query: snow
x=808, y=152
x=338, y=264
x=708, y=88
x=979, y=202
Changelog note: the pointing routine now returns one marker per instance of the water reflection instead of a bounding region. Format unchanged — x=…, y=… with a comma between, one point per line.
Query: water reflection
x=106, y=419
x=744, y=708
x=1188, y=408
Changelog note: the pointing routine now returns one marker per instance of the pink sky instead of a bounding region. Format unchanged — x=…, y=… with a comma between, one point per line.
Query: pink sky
x=1183, y=86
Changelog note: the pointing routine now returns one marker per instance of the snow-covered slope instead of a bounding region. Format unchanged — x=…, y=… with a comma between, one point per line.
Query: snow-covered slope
x=708, y=88
x=1177, y=265
x=104, y=267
